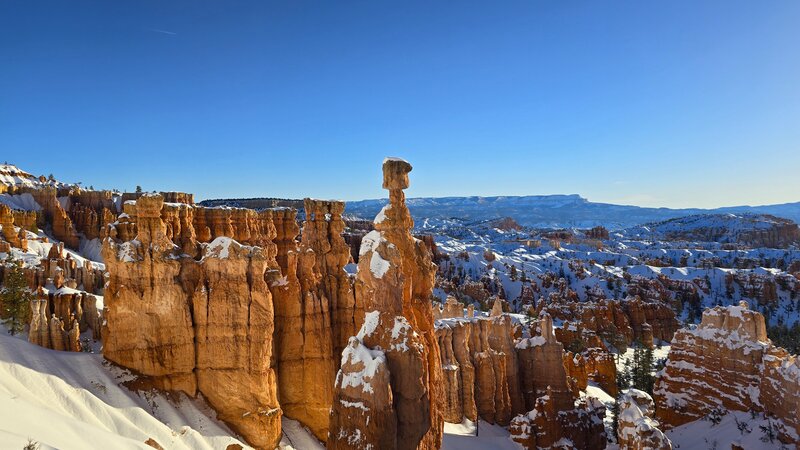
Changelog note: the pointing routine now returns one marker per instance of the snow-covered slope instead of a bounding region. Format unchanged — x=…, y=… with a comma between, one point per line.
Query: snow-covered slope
x=77, y=401
x=716, y=228
x=11, y=175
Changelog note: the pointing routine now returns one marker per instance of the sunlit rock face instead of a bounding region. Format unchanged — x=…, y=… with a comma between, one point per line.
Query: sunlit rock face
x=322, y=233
x=481, y=369
x=728, y=362
x=396, y=342
x=303, y=335
x=195, y=325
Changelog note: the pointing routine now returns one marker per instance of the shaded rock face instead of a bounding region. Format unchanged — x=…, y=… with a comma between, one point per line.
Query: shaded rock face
x=618, y=322
x=651, y=320
x=195, y=325
x=188, y=225
x=481, y=369
x=542, y=367
x=580, y=427
x=395, y=280
x=558, y=417
x=55, y=215
x=90, y=211
x=728, y=362
x=587, y=358
x=598, y=232
x=638, y=429
x=493, y=375
x=303, y=335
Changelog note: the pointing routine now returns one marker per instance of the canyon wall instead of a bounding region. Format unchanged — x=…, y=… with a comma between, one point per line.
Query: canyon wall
x=195, y=325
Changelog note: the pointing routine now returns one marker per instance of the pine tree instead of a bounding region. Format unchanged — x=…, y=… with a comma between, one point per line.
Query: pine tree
x=642, y=373
x=15, y=298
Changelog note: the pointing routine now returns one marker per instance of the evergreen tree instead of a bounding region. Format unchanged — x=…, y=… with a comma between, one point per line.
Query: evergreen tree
x=642, y=373
x=138, y=189
x=15, y=298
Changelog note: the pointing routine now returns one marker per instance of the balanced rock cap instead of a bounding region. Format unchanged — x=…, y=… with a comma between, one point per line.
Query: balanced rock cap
x=395, y=173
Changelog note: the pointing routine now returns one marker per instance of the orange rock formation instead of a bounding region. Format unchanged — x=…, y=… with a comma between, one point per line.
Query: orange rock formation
x=397, y=342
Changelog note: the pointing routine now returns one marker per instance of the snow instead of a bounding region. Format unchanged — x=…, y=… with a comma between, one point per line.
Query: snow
x=71, y=400
x=297, y=437
x=531, y=342
x=126, y=251
x=401, y=332
x=370, y=242
x=703, y=434
x=219, y=248
x=393, y=158
x=282, y=281
x=24, y=202
x=382, y=214
x=91, y=249
x=371, y=320
x=11, y=175
x=465, y=428
x=378, y=266
x=489, y=437
x=357, y=405
x=371, y=360
x=593, y=390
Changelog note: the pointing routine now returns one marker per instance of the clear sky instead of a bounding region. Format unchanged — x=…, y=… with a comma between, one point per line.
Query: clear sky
x=672, y=103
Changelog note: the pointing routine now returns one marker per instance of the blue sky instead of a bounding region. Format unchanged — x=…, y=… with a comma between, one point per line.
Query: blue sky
x=677, y=104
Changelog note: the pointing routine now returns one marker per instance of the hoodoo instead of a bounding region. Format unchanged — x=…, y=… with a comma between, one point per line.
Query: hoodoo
x=388, y=392
x=728, y=362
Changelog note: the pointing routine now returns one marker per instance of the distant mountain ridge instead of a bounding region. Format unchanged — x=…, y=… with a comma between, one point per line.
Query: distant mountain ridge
x=555, y=211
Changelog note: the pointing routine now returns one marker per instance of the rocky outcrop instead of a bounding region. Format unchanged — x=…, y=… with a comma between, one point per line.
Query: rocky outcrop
x=482, y=377
x=587, y=358
x=650, y=320
x=195, y=325
x=761, y=288
x=542, y=367
x=728, y=362
x=558, y=417
x=546, y=426
x=604, y=318
x=322, y=232
x=396, y=342
x=598, y=232
x=619, y=323
x=303, y=336
x=637, y=429
x=9, y=233
x=55, y=321
x=55, y=216
x=90, y=211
